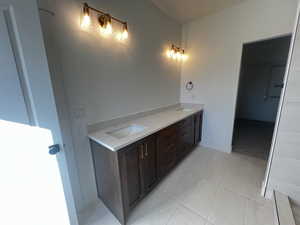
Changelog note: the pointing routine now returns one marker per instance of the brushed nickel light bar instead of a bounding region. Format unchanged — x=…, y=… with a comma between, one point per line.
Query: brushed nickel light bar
x=105, y=22
x=177, y=53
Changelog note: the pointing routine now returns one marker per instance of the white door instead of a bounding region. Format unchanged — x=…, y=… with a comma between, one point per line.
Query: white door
x=34, y=185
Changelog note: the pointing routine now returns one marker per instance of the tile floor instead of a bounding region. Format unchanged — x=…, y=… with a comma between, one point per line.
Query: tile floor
x=296, y=212
x=253, y=138
x=207, y=188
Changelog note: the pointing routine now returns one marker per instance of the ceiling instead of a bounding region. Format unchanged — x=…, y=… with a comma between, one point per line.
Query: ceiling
x=185, y=10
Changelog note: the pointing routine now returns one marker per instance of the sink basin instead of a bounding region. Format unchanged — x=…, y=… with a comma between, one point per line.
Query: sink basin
x=126, y=131
x=184, y=109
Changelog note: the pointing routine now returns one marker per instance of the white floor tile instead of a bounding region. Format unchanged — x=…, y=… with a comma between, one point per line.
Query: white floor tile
x=242, y=175
x=98, y=215
x=183, y=216
x=200, y=199
x=228, y=208
x=259, y=214
x=160, y=215
x=155, y=209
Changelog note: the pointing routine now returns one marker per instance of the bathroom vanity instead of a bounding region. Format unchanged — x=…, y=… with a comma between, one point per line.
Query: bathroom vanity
x=131, y=158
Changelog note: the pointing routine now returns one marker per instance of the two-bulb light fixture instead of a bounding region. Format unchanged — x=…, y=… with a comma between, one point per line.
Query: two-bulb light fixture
x=177, y=53
x=104, y=22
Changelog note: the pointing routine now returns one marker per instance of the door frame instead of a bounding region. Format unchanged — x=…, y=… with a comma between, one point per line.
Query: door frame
x=240, y=71
x=265, y=182
x=264, y=191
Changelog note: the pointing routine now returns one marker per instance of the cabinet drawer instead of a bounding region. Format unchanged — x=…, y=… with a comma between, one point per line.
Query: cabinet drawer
x=187, y=123
x=169, y=131
x=167, y=141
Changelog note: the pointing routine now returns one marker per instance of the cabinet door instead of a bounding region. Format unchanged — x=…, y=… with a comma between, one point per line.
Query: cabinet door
x=132, y=174
x=186, y=137
x=198, y=127
x=149, y=164
x=166, y=149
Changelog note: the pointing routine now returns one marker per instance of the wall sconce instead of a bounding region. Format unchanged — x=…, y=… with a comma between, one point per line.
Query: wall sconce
x=177, y=53
x=104, y=22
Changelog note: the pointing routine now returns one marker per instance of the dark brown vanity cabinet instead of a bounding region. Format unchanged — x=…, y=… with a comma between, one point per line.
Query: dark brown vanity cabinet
x=198, y=127
x=167, y=144
x=186, y=132
x=149, y=164
x=125, y=176
x=131, y=174
x=138, y=169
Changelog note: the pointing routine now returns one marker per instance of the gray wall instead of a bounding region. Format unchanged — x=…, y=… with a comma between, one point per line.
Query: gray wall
x=104, y=79
x=215, y=46
x=285, y=167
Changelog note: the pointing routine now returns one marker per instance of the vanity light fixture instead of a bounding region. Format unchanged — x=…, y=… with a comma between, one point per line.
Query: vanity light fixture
x=104, y=21
x=177, y=53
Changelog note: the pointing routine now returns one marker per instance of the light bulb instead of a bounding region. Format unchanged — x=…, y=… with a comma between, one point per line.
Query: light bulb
x=178, y=55
x=169, y=53
x=174, y=55
x=122, y=36
x=125, y=34
x=105, y=26
x=109, y=29
x=119, y=36
x=106, y=30
x=86, y=19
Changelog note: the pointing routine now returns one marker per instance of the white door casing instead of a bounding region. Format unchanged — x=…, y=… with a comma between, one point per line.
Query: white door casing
x=278, y=118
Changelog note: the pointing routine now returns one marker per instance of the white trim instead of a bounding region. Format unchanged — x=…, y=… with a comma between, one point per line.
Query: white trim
x=283, y=211
x=271, y=155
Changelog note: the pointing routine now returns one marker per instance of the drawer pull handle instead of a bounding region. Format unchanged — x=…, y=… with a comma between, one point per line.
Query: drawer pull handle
x=146, y=153
x=142, y=152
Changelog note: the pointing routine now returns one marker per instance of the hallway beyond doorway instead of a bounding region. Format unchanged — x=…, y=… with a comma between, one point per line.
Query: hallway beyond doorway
x=253, y=138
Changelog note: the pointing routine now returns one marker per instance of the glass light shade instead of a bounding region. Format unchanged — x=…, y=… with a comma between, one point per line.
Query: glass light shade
x=125, y=34
x=85, y=21
x=106, y=29
x=121, y=36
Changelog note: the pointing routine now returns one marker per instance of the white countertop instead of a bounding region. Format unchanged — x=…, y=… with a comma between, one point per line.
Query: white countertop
x=152, y=124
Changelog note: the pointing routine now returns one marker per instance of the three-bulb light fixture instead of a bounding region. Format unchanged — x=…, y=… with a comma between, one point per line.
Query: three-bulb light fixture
x=104, y=22
x=177, y=53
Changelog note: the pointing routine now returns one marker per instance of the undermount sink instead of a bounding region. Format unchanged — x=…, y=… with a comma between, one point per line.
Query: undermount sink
x=126, y=131
x=184, y=109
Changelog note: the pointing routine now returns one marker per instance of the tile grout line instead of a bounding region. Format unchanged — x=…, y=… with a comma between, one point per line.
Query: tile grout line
x=194, y=212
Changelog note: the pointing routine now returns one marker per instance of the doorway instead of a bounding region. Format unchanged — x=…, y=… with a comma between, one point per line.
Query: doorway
x=261, y=81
